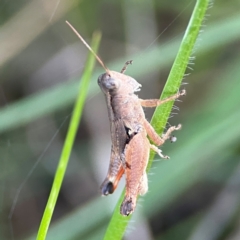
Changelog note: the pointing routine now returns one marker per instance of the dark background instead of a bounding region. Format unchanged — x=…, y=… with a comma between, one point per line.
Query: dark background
x=195, y=195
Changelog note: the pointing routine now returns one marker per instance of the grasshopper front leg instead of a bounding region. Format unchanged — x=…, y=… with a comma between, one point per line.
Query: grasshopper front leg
x=157, y=102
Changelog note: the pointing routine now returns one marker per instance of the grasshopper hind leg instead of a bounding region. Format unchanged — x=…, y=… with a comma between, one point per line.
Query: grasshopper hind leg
x=143, y=186
x=129, y=203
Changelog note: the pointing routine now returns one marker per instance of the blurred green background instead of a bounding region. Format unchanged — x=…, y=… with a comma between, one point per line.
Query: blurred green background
x=195, y=195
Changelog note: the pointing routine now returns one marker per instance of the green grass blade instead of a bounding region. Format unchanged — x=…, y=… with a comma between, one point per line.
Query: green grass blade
x=68, y=144
x=161, y=114
x=118, y=223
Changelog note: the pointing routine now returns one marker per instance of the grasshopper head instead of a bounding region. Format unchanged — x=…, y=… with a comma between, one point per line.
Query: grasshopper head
x=108, y=83
x=117, y=82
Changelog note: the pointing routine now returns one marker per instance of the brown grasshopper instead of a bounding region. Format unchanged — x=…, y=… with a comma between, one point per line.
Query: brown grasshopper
x=130, y=145
x=129, y=130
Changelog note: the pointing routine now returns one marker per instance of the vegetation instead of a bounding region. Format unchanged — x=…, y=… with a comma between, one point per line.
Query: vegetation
x=40, y=67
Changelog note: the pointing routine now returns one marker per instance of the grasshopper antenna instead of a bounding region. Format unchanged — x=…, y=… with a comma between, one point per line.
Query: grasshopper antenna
x=90, y=49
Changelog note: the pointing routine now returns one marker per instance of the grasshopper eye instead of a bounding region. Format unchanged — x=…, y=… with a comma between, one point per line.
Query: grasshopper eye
x=106, y=82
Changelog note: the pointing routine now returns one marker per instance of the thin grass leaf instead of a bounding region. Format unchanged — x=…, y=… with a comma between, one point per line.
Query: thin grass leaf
x=161, y=114
x=118, y=223
x=68, y=144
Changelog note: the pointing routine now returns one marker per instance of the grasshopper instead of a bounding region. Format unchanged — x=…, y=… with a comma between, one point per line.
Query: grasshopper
x=130, y=145
x=129, y=130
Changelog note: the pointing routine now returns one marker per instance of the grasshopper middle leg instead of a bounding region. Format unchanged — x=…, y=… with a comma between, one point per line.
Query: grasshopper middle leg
x=155, y=137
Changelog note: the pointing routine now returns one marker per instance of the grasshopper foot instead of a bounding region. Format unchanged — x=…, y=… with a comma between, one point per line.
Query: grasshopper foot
x=172, y=139
x=182, y=92
x=127, y=207
x=159, y=152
